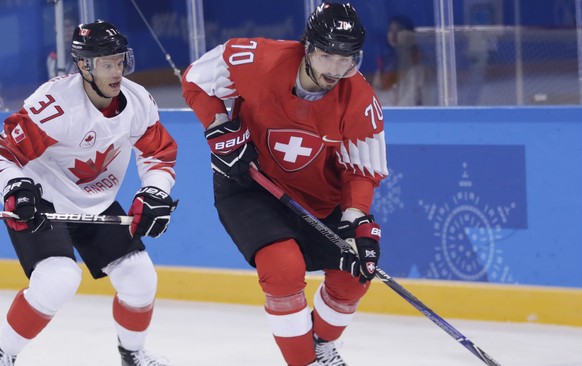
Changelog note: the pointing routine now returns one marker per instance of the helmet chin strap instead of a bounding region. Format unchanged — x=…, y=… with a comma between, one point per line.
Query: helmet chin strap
x=91, y=82
x=309, y=71
x=94, y=85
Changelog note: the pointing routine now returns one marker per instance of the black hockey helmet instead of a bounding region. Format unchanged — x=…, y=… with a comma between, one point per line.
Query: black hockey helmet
x=98, y=39
x=336, y=29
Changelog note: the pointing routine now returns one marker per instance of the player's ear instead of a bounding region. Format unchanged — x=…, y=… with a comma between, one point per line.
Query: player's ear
x=81, y=64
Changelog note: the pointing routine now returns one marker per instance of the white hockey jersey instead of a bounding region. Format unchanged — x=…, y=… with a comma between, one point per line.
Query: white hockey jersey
x=79, y=156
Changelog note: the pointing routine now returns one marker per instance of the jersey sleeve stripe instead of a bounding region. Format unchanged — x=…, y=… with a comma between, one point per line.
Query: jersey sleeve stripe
x=211, y=74
x=366, y=156
x=158, y=150
x=23, y=139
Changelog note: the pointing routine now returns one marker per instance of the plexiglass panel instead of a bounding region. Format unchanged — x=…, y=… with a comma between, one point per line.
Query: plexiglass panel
x=492, y=52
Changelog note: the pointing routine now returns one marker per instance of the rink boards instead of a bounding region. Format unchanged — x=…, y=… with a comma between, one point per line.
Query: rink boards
x=478, y=301
x=480, y=216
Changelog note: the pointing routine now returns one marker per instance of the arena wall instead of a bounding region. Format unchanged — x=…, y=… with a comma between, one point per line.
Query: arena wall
x=480, y=216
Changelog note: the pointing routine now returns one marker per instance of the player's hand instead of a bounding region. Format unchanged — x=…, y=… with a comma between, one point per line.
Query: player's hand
x=232, y=150
x=362, y=258
x=21, y=196
x=151, y=210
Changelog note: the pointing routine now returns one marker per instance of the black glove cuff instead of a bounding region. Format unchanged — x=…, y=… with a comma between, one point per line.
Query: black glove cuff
x=223, y=128
x=364, y=220
x=152, y=193
x=21, y=184
x=347, y=229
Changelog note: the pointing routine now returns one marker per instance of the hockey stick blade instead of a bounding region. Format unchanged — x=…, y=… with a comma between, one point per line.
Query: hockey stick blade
x=443, y=324
x=77, y=218
x=380, y=274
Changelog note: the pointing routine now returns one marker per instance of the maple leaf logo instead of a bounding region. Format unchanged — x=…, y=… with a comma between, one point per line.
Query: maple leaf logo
x=89, y=139
x=18, y=134
x=88, y=170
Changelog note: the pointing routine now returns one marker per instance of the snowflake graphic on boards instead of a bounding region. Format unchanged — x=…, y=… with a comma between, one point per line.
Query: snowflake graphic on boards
x=388, y=197
x=469, y=231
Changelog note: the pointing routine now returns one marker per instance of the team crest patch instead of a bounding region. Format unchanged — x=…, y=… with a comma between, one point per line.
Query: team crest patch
x=18, y=134
x=293, y=149
x=371, y=267
x=89, y=139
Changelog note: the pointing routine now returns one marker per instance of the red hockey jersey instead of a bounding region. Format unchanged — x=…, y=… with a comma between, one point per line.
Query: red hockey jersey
x=322, y=153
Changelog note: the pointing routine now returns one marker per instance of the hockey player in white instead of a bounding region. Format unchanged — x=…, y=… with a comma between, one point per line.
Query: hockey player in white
x=67, y=150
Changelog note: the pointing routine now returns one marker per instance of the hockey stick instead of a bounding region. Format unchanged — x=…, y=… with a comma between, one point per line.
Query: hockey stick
x=77, y=218
x=380, y=274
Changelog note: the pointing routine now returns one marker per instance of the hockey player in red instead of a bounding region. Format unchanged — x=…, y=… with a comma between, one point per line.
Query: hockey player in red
x=309, y=120
x=67, y=150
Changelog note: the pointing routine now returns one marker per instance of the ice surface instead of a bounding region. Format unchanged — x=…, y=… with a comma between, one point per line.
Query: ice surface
x=194, y=333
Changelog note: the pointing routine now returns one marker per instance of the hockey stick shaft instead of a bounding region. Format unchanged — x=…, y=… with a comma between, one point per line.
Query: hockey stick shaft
x=77, y=218
x=380, y=274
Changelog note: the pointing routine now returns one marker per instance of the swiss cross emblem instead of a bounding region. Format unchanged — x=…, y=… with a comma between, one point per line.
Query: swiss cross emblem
x=293, y=149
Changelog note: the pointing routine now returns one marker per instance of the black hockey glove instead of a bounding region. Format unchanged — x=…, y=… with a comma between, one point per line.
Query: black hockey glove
x=232, y=150
x=21, y=196
x=151, y=210
x=364, y=236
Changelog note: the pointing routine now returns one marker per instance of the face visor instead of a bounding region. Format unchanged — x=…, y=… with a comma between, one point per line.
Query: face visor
x=333, y=65
x=107, y=66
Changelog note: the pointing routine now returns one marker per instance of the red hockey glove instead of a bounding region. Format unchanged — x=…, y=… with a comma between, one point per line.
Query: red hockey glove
x=151, y=210
x=21, y=196
x=232, y=150
x=364, y=236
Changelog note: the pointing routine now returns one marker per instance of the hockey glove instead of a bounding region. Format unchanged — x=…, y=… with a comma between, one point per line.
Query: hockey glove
x=362, y=258
x=21, y=196
x=232, y=150
x=151, y=210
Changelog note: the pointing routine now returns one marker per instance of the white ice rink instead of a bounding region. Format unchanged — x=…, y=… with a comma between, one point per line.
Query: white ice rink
x=191, y=334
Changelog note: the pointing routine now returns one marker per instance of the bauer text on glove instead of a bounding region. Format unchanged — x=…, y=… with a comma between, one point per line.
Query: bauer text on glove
x=232, y=150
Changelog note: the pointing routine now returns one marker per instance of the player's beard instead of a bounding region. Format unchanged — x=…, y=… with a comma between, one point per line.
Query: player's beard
x=322, y=81
x=326, y=81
